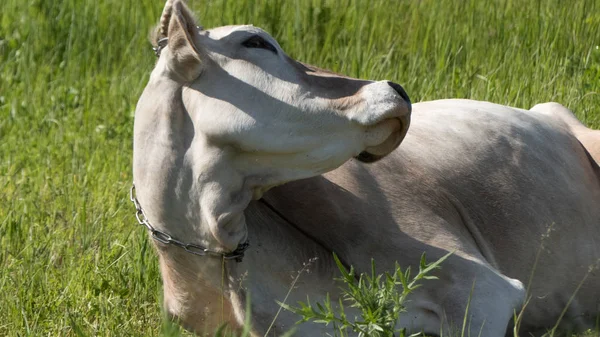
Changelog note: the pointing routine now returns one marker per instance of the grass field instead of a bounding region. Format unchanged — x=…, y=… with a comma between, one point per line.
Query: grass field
x=72, y=260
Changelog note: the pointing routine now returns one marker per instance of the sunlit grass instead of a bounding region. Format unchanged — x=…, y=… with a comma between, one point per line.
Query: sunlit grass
x=72, y=262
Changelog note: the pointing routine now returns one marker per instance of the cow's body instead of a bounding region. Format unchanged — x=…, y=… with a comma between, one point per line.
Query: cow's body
x=490, y=182
x=227, y=119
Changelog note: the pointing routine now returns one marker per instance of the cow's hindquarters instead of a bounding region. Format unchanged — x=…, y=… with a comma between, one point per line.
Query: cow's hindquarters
x=589, y=138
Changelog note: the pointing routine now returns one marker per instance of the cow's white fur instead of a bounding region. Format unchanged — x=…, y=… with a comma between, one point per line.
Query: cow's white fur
x=220, y=125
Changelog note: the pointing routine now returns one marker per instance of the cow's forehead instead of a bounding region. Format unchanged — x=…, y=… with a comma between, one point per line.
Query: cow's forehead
x=218, y=33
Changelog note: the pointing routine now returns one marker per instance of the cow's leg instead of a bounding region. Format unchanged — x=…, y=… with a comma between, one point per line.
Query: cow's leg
x=489, y=304
x=487, y=298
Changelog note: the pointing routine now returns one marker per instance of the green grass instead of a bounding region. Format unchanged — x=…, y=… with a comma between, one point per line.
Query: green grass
x=72, y=260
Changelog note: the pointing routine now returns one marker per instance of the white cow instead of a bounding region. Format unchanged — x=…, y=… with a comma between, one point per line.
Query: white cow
x=227, y=118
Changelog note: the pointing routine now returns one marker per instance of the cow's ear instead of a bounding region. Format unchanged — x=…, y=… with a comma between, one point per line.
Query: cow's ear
x=184, y=51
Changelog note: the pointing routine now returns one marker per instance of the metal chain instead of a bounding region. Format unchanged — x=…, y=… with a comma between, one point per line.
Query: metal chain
x=160, y=45
x=167, y=239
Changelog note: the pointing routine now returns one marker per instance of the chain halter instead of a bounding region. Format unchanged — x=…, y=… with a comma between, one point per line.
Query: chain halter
x=167, y=239
x=160, y=45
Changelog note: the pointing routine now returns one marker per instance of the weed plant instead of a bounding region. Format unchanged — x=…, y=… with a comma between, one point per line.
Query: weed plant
x=380, y=299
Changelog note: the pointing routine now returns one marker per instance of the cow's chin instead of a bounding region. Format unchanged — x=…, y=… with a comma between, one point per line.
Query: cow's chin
x=374, y=153
x=366, y=157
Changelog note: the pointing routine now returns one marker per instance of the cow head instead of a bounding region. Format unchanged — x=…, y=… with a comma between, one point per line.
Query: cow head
x=226, y=115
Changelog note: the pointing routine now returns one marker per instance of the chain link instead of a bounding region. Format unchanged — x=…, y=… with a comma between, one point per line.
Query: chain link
x=160, y=45
x=167, y=239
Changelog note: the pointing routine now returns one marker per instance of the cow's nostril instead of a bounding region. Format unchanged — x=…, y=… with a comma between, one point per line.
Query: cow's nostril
x=400, y=91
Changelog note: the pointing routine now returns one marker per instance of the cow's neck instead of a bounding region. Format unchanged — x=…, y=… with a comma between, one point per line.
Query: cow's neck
x=162, y=134
x=186, y=183
x=314, y=208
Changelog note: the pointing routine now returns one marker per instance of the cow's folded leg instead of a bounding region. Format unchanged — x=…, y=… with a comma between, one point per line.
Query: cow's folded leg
x=489, y=304
x=488, y=299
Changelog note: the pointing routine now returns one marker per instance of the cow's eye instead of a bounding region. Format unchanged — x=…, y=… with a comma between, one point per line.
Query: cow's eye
x=257, y=41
